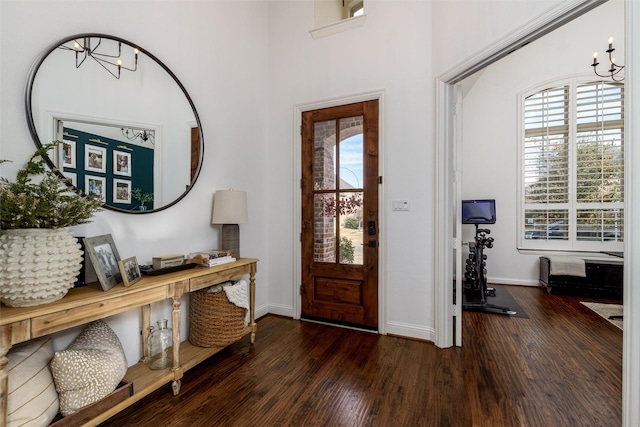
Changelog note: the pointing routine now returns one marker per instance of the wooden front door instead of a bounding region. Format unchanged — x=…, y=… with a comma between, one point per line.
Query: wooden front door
x=340, y=214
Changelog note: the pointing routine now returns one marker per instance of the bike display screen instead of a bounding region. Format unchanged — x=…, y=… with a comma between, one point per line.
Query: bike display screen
x=479, y=211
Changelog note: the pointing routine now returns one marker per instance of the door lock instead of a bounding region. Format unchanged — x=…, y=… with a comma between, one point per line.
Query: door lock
x=371, y=228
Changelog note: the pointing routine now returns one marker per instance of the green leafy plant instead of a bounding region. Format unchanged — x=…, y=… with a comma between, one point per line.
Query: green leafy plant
x=48, y=203
x=347, y=251
x=143, y=198
x=352, y=223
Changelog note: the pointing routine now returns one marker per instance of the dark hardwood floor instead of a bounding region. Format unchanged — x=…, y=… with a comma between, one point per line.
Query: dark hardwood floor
x=560, y=367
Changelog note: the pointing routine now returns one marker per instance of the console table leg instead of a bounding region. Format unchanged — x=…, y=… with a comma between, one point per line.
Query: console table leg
x=179, y=289
x=176, y=387
x=252, y=303
x=146, y=324
x=5, y=345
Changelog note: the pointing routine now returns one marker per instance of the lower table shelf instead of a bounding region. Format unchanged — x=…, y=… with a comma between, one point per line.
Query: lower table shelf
x=88, y=413
x=145, y=381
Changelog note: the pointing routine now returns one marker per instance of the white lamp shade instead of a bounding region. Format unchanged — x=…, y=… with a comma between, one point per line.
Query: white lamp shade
x=229, y=207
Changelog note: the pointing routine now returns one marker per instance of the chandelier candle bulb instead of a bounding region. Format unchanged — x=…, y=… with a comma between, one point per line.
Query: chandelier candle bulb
x=103, y=58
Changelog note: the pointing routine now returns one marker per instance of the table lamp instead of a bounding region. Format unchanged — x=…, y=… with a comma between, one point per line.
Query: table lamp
x=230, y=209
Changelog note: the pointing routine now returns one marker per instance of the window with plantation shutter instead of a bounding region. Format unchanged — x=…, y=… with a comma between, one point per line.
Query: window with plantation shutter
x=572, y=167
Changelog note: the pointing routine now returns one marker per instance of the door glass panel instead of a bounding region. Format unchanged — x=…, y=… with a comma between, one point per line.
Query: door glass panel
x=324, y=229
x=351, y=153
x=351, y=230
x=350, y=164
x=324, y=161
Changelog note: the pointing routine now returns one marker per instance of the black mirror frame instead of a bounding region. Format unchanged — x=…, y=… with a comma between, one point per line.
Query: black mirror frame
x=34, y=133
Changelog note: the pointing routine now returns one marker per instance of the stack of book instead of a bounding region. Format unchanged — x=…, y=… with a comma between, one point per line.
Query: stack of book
x=211, y=258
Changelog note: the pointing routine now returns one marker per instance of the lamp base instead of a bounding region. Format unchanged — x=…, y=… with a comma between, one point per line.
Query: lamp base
x=231, y=239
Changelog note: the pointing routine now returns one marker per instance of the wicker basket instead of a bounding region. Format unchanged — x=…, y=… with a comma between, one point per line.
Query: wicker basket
x=213, y=320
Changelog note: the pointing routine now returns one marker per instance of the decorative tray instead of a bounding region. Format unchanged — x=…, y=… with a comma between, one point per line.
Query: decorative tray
x=148, y=270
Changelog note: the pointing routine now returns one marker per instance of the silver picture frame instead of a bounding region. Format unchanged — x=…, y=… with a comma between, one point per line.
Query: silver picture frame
x=104, y=256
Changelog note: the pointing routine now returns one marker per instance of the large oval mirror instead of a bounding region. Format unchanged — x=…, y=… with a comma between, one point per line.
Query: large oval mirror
x=130, y=133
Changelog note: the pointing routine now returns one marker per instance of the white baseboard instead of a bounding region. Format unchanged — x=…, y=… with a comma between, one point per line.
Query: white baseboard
x=393, y=328
x=280, y=310
x=506, y=281
x=262, y=311
x=411, y=331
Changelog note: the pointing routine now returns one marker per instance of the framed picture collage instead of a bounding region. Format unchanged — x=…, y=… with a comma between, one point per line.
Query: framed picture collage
x=104, y=168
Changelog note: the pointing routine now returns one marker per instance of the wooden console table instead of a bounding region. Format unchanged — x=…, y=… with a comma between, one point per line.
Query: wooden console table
x=86, y=304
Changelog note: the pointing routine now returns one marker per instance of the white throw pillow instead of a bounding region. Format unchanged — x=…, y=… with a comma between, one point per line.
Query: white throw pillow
x=89, y=369
x=32, y=398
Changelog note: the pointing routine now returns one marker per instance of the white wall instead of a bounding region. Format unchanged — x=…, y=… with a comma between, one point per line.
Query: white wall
x=490, y=118
x=218, y=50
x=463, y=29
x=389, y=53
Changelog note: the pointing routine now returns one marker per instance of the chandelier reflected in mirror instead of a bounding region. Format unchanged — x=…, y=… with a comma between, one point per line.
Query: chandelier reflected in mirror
x=143, y=134
x=112, y=62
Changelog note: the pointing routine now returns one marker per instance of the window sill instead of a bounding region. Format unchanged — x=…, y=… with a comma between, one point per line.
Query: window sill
x=592, y=255
x=338, y=27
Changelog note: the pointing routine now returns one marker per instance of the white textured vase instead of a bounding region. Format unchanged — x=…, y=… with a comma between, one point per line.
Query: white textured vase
x=37, y=265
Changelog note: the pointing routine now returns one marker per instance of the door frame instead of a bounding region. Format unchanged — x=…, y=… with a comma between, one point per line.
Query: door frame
x=297, y=198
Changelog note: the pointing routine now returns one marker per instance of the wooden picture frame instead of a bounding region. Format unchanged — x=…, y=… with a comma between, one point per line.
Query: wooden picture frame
x=121, y=191
x=104, y=256
x=121, y=163
x=130, y=270
x=95, y=158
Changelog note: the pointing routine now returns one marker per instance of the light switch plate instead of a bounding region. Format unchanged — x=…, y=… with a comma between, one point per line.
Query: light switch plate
x=400, y=205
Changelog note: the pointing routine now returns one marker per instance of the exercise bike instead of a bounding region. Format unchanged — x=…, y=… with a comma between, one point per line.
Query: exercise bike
x=475, y=286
